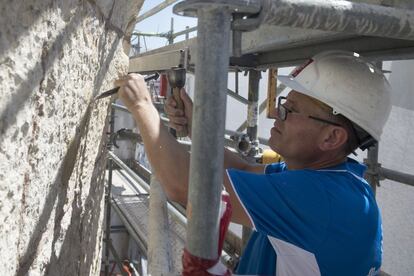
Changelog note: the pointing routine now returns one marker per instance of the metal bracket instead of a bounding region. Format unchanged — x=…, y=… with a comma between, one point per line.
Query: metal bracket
x=245, y=15
x=373, y=169
x=125, y=134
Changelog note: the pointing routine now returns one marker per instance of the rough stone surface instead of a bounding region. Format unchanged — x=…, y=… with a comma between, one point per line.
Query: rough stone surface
x=55, y=56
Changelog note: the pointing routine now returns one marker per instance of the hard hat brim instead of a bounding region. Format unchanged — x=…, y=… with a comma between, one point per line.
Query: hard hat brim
x=294, y=85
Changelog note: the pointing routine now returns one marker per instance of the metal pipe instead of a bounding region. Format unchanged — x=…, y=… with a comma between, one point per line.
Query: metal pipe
x=271, y=92
x=338, y=16
x=404, y=178
x=108, y=195
x=206, y=163
x=262, y=107
x=138, y=236
x=237, y=39
x=187, y=36
x=252, y=122
x=108, y=219
x=253, y=109
x=129, y=171
x=138, y=34
x=159, y=250
x=186, y=31
x=128, y=134
x=372, y=173
x=236, y=81
x=155, y=10
x=237, y=97
x=170, y=37
x=262, y=140
x=117, y=259
x=138, y=47
x=180, y=218
x=120, y=107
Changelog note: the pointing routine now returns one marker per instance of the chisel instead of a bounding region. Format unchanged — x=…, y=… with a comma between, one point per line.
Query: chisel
x=115, y=90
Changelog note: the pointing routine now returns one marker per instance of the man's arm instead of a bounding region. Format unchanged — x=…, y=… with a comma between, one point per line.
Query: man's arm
x=170, y=161
x=234, y=161
x=180, y=120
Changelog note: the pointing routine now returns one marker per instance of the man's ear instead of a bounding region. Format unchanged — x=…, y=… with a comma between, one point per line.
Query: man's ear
x=333, y=137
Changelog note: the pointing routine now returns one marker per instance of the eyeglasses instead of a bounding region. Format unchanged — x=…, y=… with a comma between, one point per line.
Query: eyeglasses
x=282, y=112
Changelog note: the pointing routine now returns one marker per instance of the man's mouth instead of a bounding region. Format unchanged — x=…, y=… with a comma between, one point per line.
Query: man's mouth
x=275, y=129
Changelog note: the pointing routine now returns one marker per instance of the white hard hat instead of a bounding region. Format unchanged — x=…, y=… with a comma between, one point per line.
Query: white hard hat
x=351, y=85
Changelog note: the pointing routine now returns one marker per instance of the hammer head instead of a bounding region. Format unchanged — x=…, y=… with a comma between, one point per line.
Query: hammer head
x=176, y=77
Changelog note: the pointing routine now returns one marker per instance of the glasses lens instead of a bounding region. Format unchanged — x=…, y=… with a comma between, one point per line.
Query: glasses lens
x=281, y=110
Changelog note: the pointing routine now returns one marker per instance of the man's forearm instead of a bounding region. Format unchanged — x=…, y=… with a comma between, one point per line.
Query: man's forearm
x=233, y=161
x=169, y=160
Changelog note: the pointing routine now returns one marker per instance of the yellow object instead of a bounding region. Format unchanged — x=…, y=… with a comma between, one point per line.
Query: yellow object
x=269, y=156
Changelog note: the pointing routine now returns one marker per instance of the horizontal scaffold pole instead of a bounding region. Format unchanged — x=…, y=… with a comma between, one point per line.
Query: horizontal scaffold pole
x=155, y=10
x=401, y=177
x=337, y=16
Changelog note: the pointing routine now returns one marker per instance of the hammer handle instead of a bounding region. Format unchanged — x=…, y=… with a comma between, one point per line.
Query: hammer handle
x=180, y=105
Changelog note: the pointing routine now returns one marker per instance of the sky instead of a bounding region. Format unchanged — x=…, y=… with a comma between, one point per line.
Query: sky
x=160, y=23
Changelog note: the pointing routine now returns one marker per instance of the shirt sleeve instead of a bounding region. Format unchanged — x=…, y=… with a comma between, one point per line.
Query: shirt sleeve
x=289, y=205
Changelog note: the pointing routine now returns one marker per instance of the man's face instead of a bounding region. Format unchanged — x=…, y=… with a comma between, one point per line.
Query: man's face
x=297, y=136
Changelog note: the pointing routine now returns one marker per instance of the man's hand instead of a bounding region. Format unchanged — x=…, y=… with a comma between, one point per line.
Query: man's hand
x=169, y=160
x=133, y=92
x=179, y=119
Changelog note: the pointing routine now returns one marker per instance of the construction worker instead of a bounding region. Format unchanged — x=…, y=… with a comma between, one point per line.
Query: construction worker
x=312, y=214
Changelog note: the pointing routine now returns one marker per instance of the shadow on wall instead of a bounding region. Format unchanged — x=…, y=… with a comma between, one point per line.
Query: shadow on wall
x=75, y=250
x=58, y=191
x=78, y=248
x=50, y=53
x=30, y=11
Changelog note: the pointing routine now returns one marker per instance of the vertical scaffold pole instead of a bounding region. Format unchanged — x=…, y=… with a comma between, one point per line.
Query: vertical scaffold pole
x=108, y=195
x=372, y=174
x=252, y=127
x=207, y=151
x=159, y=251
x=253, y=109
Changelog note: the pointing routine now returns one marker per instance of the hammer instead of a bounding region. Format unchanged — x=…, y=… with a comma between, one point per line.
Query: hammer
x=176, y=78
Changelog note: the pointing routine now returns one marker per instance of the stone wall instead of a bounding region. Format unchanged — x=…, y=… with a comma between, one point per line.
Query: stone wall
x=55, y=56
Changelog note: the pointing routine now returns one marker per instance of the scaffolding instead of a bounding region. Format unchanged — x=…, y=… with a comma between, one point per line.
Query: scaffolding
x=253, y=35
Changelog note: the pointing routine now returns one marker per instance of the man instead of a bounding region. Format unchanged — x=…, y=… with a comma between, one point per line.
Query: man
x=312, y=214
